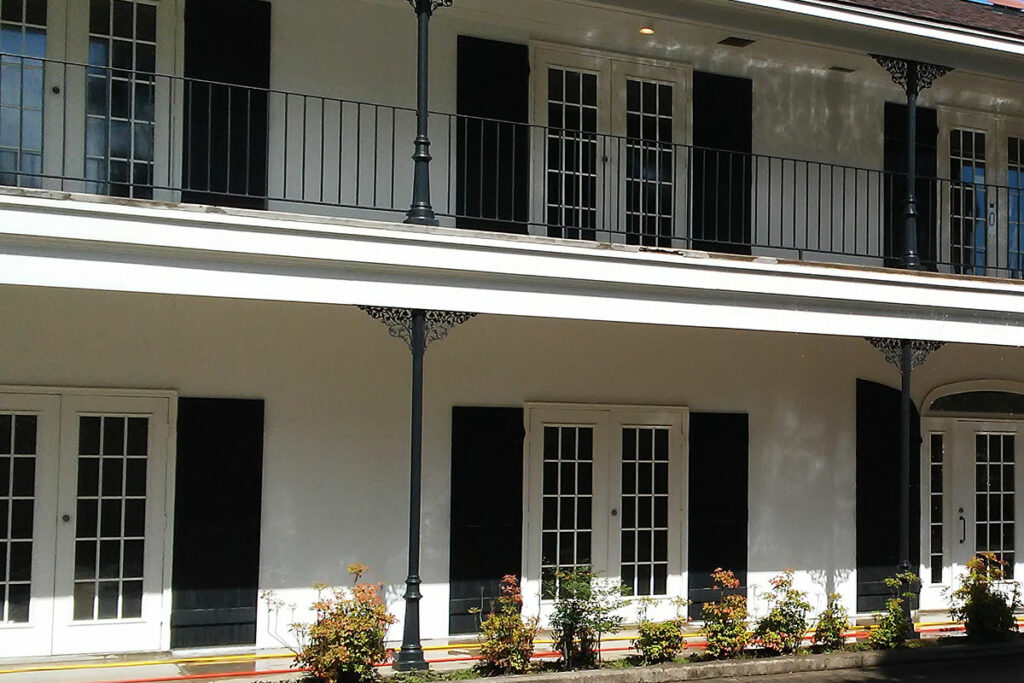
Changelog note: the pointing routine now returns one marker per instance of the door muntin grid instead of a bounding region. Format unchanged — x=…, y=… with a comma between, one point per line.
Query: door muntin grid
x=567, y=502
x=935, y=508
x=644, y=527
x=571, y=153
x=649, y=162
x=120, y=98
x=1015, y=218
x=23, y=44
x=110, y=517
x=968, y=210
x=995, y=496
x=18, y=440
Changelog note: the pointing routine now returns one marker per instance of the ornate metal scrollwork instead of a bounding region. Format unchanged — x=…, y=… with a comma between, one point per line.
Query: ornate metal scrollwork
x=430, y=6
x=899, y=69
x=399, y=322
x=892, y=349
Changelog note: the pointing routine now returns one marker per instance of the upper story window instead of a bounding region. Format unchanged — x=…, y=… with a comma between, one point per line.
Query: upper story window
x=23, y=44
x=968, y=201
x=120, y=102
x=610, y=160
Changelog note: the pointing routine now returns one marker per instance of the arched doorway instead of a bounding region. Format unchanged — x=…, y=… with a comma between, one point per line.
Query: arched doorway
x=972, y=433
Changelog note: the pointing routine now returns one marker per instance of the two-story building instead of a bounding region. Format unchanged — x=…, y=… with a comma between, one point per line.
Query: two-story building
x=677, y=224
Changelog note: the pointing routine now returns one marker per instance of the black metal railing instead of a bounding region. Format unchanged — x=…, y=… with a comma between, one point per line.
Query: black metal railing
x=121, y=132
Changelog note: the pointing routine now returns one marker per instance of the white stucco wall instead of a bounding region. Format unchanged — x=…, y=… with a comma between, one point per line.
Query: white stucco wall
x=337, y=402
x=364, y=50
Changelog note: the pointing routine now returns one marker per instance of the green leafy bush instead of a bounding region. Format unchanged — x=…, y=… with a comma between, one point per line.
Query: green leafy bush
x=725, y=621
x=584, y=609
x=893, y=628
x=985, y=609
x=658, y=642
x=508, y=638
x=832, y=623
x=782, y=629
x=347, y=638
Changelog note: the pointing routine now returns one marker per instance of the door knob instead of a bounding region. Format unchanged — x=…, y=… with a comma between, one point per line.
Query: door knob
x=65, y=518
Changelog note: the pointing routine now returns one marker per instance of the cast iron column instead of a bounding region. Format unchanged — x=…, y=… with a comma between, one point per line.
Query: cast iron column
x=421, y=212
x=913, y=77
x=410, y=657
x=417, y=328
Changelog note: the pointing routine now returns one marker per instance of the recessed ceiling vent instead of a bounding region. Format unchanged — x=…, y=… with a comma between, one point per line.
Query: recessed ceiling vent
x=842, y=69
x=735, y=41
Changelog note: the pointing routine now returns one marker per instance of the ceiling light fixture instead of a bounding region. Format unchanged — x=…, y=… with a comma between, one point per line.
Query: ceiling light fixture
x=647, y=31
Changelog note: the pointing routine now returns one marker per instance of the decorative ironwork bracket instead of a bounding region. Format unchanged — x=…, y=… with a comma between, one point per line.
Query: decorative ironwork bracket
x=429, y=6
x=892, y=350
x=899, y=69
x=399, y=322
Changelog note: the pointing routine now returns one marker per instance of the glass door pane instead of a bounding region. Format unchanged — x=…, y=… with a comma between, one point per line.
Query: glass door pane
x=23, y=44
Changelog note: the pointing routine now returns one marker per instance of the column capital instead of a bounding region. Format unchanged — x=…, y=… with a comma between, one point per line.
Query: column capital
x=892, y=348
x=900, y=71
x=399, y=322
x=429, y=6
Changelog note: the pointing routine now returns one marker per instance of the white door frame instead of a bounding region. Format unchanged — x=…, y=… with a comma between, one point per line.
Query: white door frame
x=607, y=421
x=32, y=639
x=612, y=70
x=56, y=485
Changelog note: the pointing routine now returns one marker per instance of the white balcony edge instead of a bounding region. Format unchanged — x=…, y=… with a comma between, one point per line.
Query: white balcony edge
x=130, y=246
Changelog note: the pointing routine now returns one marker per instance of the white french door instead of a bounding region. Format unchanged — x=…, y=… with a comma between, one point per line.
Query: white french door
x=606, y=490
x=970, y=502
x=29, y=457
x=97, y=506
x=606, y=161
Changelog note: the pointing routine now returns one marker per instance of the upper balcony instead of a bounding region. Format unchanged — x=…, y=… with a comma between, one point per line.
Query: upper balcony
x=777, y=155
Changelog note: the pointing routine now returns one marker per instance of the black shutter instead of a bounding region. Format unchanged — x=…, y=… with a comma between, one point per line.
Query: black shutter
x=486, y=509
x=225, y=141
x=717, y=530
x=878, y=491
x=723, y=115
x=895, y=186
x=493, y=149
x=218, y=491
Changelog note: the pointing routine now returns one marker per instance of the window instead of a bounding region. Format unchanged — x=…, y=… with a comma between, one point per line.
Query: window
x=649, y=162
x=605, y=487
x=120, y=106
x=111, y=517
x=644, y=535
x=994, y=496
x=17, y=500
x=935, y=491
x=568, y=502
x=1015, y=183
x=571, y=158
x=23, y=44
x=968, y=203
x=613, y=130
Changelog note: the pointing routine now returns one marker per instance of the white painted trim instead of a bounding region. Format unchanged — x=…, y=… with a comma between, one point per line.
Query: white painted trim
x=151, y=248
x=963, y=387
x=896, y=23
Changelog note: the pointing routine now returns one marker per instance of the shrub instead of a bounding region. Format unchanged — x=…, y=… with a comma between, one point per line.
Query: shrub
x=782, y=630
x=987, y=611
x=584, y=609
x=347, y=638
x=725, y=621
x=659, y=642
x=508, y=638
x=832, y=623
x=893, y=628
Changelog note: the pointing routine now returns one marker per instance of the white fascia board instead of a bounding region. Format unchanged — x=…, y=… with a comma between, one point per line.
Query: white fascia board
x=251, y=255
x=867, y=17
